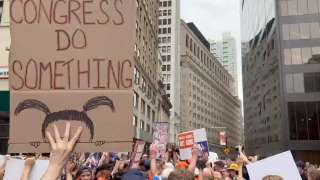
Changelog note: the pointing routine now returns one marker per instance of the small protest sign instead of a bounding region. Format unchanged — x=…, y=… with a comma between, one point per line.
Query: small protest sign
x=187, y=140
x=160, y=137
x=137, y=153
x=75, y=64
x=281, y=165
x=223, y=138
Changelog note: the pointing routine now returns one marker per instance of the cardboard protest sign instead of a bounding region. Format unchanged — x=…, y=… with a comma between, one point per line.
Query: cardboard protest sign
x=187, y=140
x=160, y=137
x=281, y=165
x=14, y=169
x=137, y=153
x=74, y=64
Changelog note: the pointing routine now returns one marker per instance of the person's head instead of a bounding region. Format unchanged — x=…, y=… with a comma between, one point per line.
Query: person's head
x=103, y=172
x=219, y=166
x=233, y=170
x=301, y=167
x=84, y=173
x=181, y=174
x=272, y=177
x=314, y=174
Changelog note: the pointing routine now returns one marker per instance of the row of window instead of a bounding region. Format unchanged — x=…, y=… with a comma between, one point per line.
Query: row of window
x=142, y=125
x=166, y=78
x=164, y=39
x=299, y=7
x=303, y=82
x=205, y=59
x=164, y=30
x=143, y=107
x=166, y=67
x=166, y=58
x=140, y=81
x=165, y=49
x=165, y=12
x=308, y=55
x=301, y=31
x=165, y=21
x=165, y=3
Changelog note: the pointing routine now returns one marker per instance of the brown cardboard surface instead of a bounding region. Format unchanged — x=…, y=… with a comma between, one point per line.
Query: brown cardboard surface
x=98, y=64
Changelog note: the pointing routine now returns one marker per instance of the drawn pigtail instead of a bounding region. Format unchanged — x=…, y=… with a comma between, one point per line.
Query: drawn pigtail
x=31, y=104
x=98, y=101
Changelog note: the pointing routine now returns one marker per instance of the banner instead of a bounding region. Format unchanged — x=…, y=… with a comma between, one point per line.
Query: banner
x=187, y=140
x=281, y=165
x=74, y=64
x=160, y=137
x=137, y=153
x=223, y=138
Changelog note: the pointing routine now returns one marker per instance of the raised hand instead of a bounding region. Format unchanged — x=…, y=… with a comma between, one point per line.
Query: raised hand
x=61, y=149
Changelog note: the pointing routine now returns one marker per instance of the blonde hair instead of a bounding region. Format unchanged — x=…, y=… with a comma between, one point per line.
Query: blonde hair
x=272, y=177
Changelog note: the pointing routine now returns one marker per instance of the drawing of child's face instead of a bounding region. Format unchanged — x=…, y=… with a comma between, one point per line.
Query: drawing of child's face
x=272, y=177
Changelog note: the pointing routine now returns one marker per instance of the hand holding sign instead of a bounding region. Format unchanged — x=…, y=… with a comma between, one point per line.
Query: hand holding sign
x=61, y=150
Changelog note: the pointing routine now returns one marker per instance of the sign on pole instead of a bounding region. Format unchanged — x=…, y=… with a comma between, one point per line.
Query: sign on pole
x=72, y=61
x=223, y=138
x=187, y=140
x=137, y=153
x=160, y=137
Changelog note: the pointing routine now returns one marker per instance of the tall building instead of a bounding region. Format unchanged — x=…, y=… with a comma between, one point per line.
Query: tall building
x=168, y=37
x=206, y=98
x=281, y=77
x=226, y=53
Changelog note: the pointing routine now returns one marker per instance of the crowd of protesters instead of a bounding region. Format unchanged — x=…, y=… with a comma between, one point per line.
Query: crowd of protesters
x=66, y=165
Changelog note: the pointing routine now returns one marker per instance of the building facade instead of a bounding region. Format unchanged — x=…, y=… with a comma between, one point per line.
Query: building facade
x=168, y=38
x=226, y=53
x=206, y=98
x=281, y=77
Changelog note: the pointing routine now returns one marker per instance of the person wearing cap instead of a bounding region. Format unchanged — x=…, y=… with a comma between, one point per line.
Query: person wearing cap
x=233, y=171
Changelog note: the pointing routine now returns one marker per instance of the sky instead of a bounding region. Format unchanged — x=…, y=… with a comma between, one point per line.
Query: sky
x=214, y=17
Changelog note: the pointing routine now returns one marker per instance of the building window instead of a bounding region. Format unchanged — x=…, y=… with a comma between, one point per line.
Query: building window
x=153, y=116
x=148, y=112
x=143, y=106
x=187, y=40
x=304, y=119
x=135, y=121
x=136, y=76
x=136, y=100
x=141, y=124
x=148, y=128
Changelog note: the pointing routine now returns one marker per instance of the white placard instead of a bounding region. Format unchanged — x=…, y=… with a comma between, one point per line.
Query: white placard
x=14, y=169
x=282, y=165
x=188, y=139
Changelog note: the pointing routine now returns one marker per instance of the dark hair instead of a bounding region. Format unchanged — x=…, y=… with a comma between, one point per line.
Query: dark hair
x=82, y=170
x=103, y=167
x=219, y=163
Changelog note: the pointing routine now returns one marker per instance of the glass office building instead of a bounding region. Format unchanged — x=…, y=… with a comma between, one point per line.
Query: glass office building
x=281, y=76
